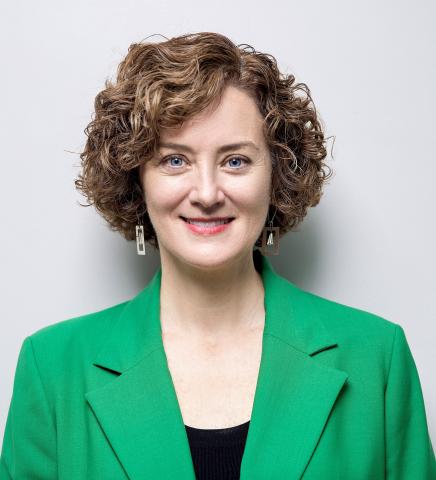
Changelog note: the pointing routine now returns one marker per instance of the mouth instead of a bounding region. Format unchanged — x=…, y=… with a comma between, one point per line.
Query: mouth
x=208, y=226
x=208, y=222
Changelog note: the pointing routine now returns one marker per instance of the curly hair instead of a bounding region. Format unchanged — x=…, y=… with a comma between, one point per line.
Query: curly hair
x=160, y=85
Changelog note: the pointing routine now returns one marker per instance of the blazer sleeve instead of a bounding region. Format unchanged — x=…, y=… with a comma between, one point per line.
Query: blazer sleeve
x=29, y=443
x=409, y=451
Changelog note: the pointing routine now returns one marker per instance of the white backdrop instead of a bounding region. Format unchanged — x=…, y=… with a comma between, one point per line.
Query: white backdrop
x=369, y=243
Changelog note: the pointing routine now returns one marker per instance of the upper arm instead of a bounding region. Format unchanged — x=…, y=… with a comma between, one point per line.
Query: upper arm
x=29, y=443
x=409, y=452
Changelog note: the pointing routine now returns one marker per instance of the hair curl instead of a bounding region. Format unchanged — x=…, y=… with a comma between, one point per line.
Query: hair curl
x=161, y=85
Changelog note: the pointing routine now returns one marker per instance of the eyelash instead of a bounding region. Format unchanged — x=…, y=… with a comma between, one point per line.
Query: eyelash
x=247, y=162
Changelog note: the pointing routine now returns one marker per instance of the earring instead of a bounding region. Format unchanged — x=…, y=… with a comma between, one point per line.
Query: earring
x=270, y=238
x=140, y=242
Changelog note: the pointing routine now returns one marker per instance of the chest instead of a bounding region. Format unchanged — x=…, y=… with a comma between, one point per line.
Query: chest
x=215, y=384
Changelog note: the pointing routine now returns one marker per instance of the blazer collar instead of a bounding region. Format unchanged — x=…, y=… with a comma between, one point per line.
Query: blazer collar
x=138, y=409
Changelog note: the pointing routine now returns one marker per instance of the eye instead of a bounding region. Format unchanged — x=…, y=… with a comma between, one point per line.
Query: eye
x=172, y=157
x=238, y=158
x=180, y=160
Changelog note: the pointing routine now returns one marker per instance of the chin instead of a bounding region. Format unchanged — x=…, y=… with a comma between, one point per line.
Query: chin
x=208, y=258
x=215, y=259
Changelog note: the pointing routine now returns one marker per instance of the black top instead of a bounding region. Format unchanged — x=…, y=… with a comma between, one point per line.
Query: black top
x=217, y=452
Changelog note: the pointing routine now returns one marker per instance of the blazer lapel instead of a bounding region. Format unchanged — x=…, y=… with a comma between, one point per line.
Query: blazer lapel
x=138, y=408
x=295, y=392
x=137, y=405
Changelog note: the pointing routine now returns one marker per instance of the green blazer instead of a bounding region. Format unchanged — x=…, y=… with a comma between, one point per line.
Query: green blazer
x=338, y=397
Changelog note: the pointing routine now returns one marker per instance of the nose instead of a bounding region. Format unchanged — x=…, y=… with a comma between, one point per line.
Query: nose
x=205, y=187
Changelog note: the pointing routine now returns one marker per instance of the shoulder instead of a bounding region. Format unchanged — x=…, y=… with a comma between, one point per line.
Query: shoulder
x=355, y=327
x=344, y=316
x=370, y=346
x=76, y=336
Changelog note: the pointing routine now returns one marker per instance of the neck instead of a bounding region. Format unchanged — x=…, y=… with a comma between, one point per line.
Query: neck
x=212, y=303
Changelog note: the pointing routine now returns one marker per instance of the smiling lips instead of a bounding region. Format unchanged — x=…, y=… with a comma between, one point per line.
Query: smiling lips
x=208, y=221
x=209, y=225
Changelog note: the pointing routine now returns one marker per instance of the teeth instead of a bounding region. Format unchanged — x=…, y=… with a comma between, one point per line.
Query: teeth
x=208, y=224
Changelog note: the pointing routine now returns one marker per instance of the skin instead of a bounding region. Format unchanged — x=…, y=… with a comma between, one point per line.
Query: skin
x=211, y=294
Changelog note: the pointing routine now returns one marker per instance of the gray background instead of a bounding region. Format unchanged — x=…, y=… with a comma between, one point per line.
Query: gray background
x=370, y=242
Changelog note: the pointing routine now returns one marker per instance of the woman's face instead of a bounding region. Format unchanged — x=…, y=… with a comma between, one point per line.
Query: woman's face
x=197, y=177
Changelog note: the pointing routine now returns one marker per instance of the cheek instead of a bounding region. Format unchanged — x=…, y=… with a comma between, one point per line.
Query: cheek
x=260, y=201
x=253, y=195
x=160, y=193
x=156, y=196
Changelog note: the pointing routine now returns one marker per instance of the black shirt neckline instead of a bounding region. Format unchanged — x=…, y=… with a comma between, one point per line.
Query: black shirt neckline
x=218, y=437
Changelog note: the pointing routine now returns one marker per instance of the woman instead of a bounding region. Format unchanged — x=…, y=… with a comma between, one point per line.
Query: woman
x=219, y=367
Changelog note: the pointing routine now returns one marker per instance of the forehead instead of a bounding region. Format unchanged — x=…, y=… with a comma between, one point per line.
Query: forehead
x=234, y=119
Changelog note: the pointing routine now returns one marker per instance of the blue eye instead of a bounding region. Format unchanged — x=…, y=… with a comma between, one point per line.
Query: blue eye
x=238, y=158
x=173, y=158
x=178, y=157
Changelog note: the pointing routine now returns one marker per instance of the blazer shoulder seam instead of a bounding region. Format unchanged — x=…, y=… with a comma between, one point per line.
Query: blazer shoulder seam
x=44, y=388
x=394, y=338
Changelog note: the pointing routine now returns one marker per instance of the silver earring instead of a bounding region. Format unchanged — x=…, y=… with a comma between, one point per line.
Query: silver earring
x=140, y=242
x=270, y=239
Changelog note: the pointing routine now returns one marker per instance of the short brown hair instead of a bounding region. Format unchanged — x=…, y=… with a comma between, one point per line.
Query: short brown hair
x=160, y=85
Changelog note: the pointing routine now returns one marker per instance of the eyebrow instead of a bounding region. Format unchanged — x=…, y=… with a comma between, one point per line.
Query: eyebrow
x=222, y=149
